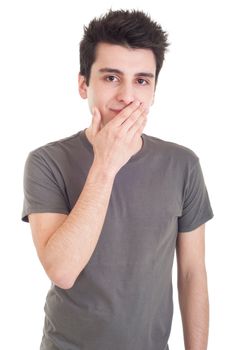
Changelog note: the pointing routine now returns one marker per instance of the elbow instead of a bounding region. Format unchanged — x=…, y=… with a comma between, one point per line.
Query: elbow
x=61, y=280
x=62, y=283
x=62, y=275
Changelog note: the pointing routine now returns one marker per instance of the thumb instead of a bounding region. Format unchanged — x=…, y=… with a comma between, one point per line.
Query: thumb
x=96, y=121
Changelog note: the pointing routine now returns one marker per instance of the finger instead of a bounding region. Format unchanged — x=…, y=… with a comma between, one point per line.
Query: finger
x=96, y=121
x=141, y=128
x=129, y=122
x=138, y=126
x=125, y=113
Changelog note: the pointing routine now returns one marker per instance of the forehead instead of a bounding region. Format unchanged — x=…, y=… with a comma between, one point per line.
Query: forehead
x=123, y=58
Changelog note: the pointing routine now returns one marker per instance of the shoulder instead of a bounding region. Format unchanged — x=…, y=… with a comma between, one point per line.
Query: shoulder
x=172, y=152
x=57, y=149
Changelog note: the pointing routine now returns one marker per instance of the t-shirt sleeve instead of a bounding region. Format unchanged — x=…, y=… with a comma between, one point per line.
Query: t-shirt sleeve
x=196, y=208
x=42, y=191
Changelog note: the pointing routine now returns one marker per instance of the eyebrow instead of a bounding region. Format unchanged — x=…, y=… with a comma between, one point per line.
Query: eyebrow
x=114, y=70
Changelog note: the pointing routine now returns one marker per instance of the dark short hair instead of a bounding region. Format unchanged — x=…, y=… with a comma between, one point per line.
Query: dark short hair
x=128, y=28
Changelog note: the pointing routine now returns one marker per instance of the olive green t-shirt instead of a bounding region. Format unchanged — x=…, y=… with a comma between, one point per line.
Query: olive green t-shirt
x=122, y=299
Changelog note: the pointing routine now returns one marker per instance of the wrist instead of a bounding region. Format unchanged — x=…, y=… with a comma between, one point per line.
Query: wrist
x=100, y=172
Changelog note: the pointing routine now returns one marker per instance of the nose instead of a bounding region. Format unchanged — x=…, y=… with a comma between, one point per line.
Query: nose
x=125, y=94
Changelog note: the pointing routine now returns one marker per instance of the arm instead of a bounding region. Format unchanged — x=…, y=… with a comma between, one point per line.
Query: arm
x=192, y=288
x=65, y=243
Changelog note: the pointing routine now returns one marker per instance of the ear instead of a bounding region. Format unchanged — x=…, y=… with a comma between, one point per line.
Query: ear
x=82, y=87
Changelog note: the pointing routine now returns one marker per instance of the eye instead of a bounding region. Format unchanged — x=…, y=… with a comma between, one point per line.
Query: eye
x=142, y=81
x=110, y=78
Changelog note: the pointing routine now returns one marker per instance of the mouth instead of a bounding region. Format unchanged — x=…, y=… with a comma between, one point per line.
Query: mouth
x=116, y=110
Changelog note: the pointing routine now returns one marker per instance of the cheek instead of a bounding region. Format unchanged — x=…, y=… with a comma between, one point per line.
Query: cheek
x=99, y=98
x=149, y=100
x=103, y=101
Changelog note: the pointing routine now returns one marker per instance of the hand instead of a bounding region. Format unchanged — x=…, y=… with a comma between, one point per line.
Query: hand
x=118, y=140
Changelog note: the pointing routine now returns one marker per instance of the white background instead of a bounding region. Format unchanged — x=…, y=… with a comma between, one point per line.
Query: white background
x=40, y=103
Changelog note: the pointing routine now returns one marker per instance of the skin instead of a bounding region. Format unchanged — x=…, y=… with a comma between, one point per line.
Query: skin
x=116, y=81
x=193, y=288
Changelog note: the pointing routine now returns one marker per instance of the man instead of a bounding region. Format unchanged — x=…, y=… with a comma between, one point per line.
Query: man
x=109, y=205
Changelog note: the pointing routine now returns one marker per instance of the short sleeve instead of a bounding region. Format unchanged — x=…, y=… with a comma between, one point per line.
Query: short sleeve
x=196, y=208
x=42, y=191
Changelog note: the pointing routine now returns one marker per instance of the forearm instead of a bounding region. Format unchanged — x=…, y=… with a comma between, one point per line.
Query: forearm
x=194, y=307
x=69, y=249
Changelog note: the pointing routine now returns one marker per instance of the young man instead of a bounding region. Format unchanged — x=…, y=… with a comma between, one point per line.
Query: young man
x=109, y=206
